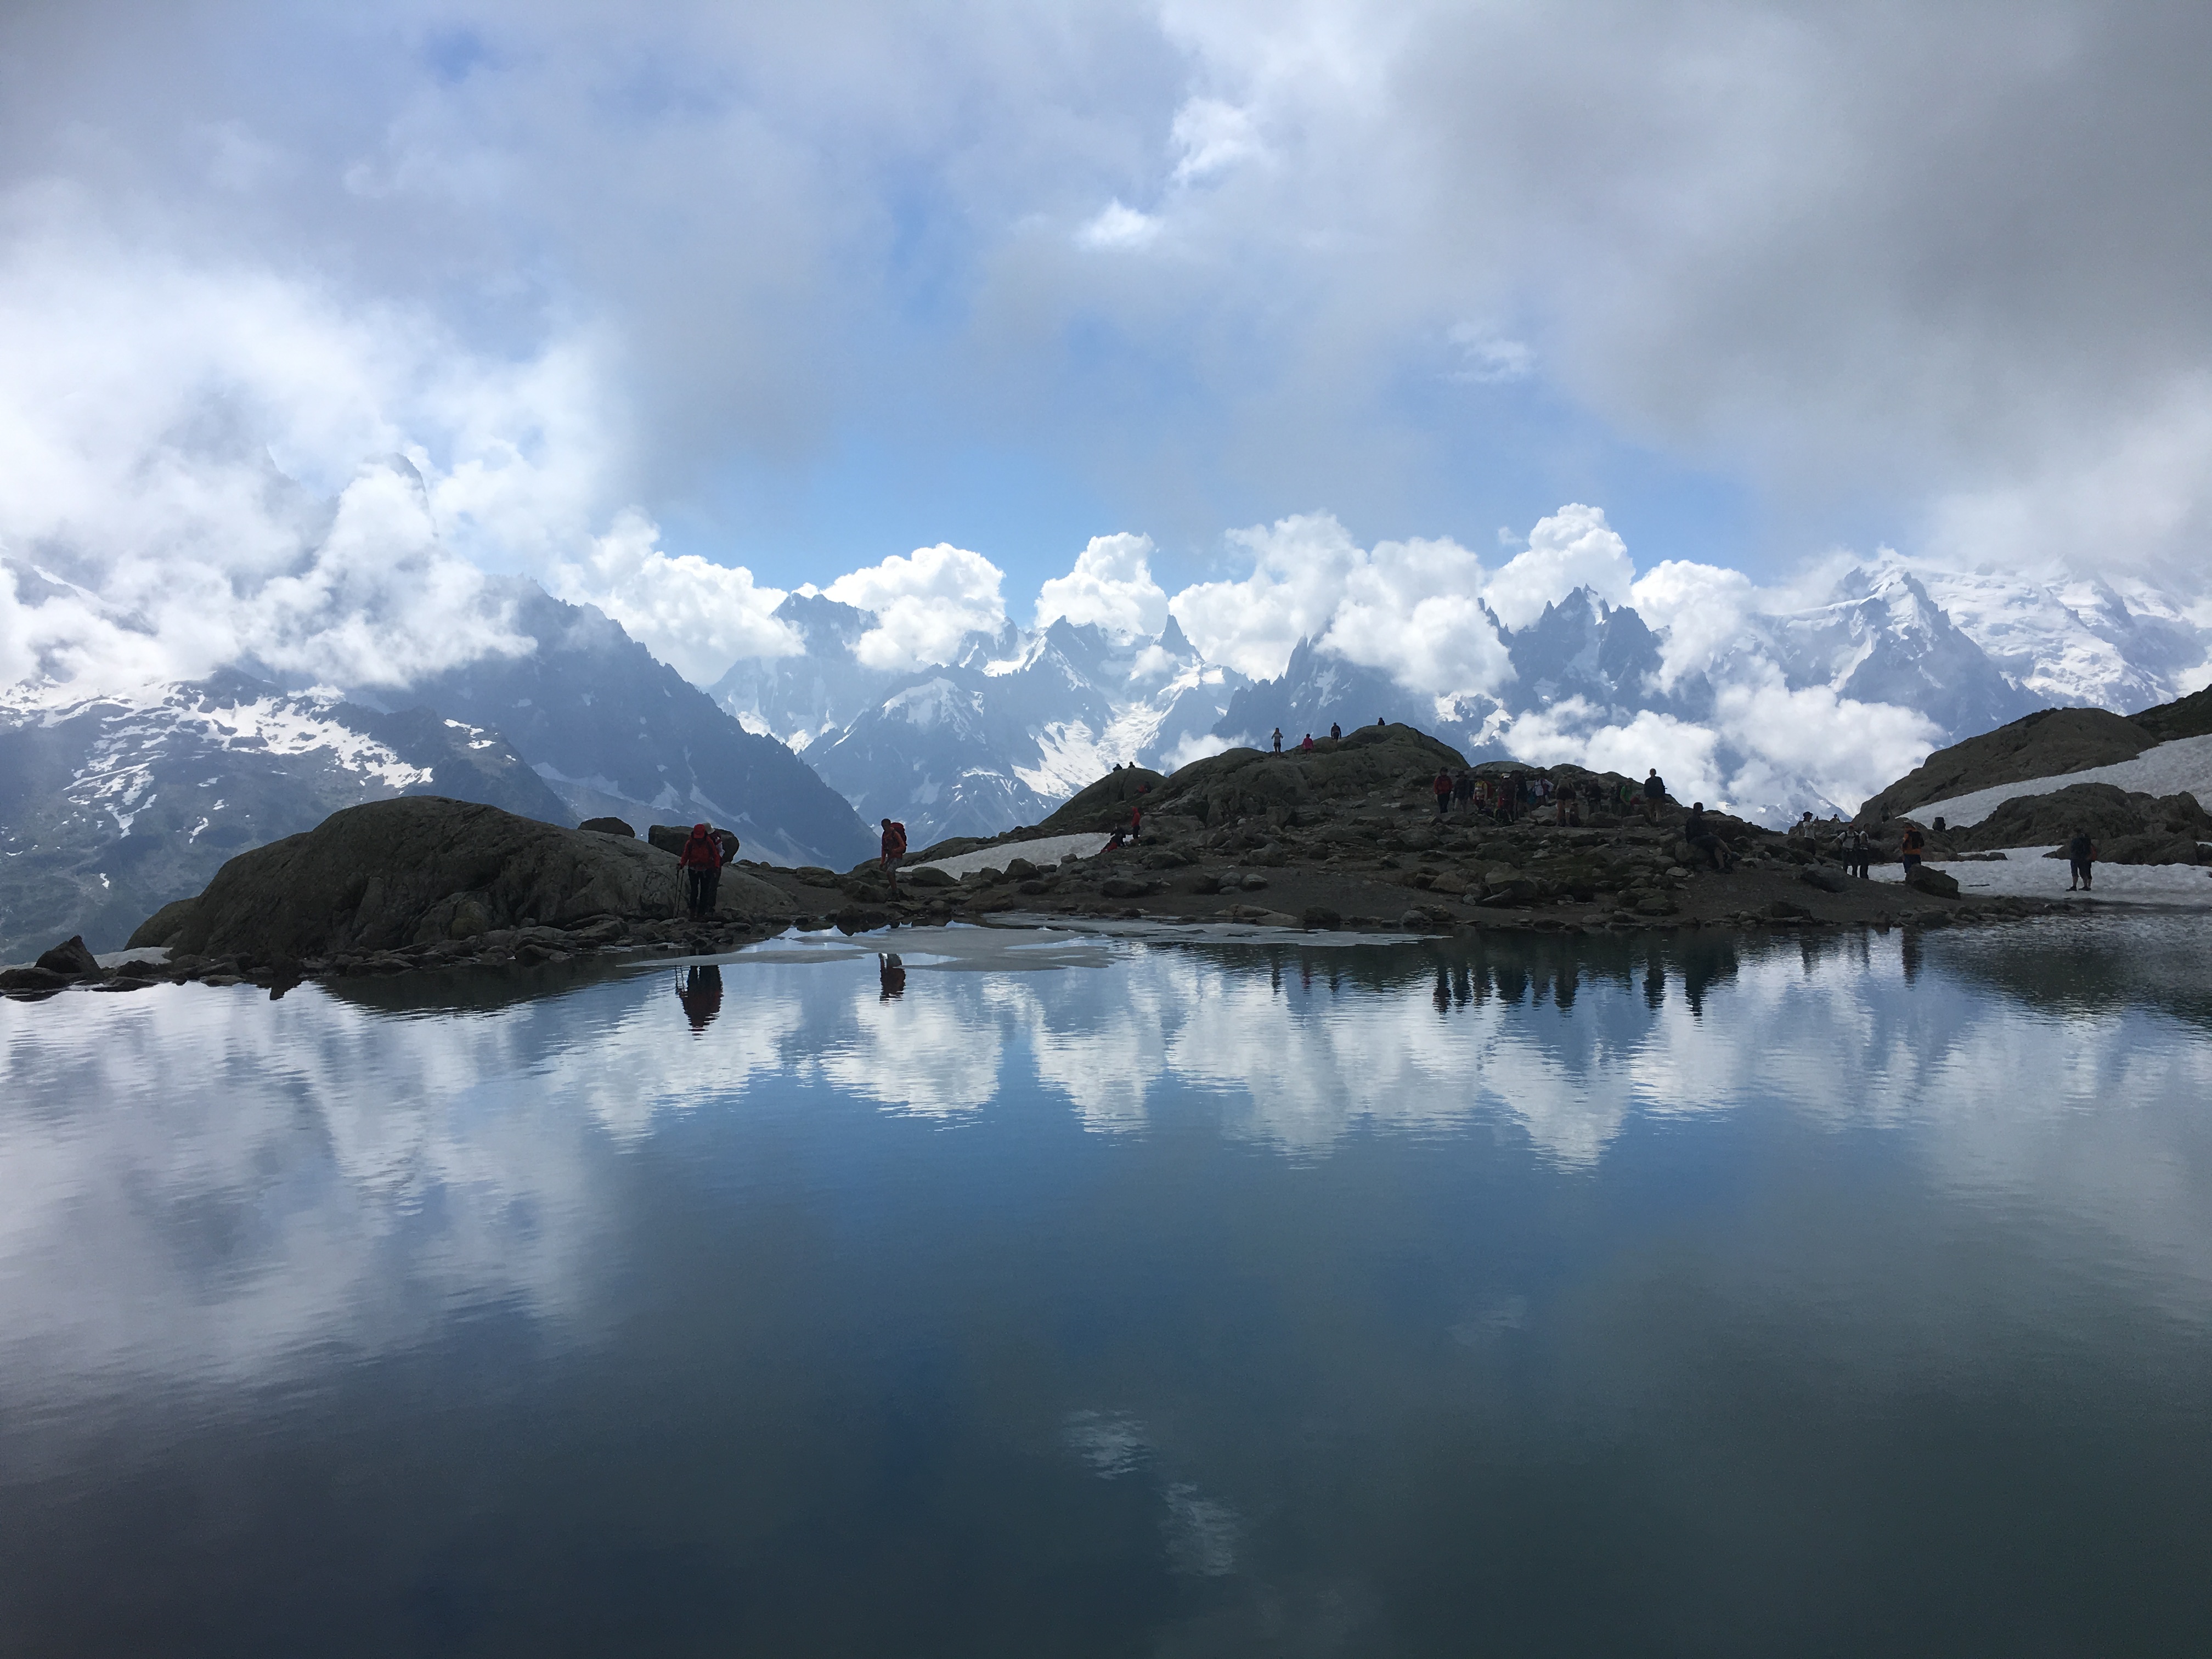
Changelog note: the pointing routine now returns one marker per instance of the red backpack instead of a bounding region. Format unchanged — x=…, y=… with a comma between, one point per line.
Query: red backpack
x=895, y=839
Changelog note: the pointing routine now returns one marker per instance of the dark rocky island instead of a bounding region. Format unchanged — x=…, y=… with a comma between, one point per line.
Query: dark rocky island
x=1344, y=836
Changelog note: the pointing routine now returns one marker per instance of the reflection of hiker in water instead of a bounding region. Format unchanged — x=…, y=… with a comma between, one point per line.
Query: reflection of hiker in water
x=700, y=991
x=893, y=974
x=2082, y=854
x=701, y=861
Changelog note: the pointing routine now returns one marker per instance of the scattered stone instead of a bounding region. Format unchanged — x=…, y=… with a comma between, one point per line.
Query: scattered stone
x=1253, y=884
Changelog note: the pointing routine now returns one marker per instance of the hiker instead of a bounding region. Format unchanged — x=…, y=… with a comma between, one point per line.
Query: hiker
x=1698, y=832
x=1463, y=790
x=729, y=843
x=1307, y=746
x=1910, y=848
x=1442, y=786
x=1654, y=795
x=700, y=861
x=1858, y=854
x=894, y=850
x=2081, y=853
x=1126, y=834
x=1278, y=740
x=1379, y=720
x=1802, y=829
x=1336, y=731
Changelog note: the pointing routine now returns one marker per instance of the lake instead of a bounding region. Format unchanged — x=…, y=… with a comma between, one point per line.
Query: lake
x=1045, y=1295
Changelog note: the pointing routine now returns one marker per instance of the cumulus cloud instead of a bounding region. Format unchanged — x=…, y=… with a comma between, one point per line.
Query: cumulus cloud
x=1698, y=609
x=1573, y=548
x=1111, y=585
x=697, y=616
x=1119, y=226
x=1299, y=568
x=924, y=604
x=1412, y=608
x=219, y=466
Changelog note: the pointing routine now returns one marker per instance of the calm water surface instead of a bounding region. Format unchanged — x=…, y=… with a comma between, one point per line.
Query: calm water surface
x=1111, y=1299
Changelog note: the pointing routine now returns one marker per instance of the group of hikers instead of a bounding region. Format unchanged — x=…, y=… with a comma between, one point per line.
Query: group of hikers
x=1507, y=794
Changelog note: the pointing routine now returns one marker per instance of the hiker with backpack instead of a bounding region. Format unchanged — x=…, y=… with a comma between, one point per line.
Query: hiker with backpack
x=894, y=850
x=700, y=861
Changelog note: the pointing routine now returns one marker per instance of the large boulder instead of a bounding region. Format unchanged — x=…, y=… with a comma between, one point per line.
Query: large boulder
x=70, y=957
x=420, y=869
x=2107, y=814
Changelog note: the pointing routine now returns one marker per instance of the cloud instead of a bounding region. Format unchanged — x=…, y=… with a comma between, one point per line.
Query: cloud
x=1573, y=548
x=1411, y=608
x=1699, y=609
x=1118, y=226
x=1299, y=568
x=1111, y=585
x=1212, y=136
x=924, y=604
x=697, y=616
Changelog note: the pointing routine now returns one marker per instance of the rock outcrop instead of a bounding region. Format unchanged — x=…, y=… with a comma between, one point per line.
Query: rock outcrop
x=2049, y=743
x=422, y=870
x=2128, y=828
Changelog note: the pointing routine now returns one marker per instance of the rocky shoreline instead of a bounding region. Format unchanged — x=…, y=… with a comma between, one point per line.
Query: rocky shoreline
x=1343, y=839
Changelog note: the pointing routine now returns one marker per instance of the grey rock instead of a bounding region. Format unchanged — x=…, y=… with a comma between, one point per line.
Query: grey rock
x=608, y=827
x=70, y=957
x=1827, y=880
x=418, y=870
x=1923, y=880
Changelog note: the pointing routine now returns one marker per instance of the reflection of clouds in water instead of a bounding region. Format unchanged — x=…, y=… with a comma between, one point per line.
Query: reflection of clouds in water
x=200, y=1181
x=1112, y=1443
x=1201, y=1533
x=933, y=1050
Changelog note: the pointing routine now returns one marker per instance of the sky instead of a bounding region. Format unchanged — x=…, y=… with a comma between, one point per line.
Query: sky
x=947, y=308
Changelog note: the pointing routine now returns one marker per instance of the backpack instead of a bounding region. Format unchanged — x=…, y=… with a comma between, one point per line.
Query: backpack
x=895, y=839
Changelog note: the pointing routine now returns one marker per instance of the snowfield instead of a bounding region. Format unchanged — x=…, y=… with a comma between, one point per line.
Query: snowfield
x=2166, y=768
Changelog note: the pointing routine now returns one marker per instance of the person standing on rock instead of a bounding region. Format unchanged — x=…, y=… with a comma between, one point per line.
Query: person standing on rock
x=1278, y=740
x=1442, y=786
x=2081, y=853
x=1910, y=848
x=1655, y=796
x=894, y=850
x=701, y=861
x=1335, y=731
x=1858, y=854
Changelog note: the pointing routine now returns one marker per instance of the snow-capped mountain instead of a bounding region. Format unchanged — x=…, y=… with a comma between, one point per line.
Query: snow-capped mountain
x=1587, y=681
x=614, y=731
x=1017, y=722
x=1881, y=637
x=112, y=805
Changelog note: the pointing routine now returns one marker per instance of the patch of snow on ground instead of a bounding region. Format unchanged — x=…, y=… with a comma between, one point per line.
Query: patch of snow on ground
x=2166, y=769
x=2026, y=873
x=1048, y=850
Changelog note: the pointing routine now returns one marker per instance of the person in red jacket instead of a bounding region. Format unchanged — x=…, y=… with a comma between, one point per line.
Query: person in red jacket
x=894, y=850
x=701, y=861
x=1442, y=786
